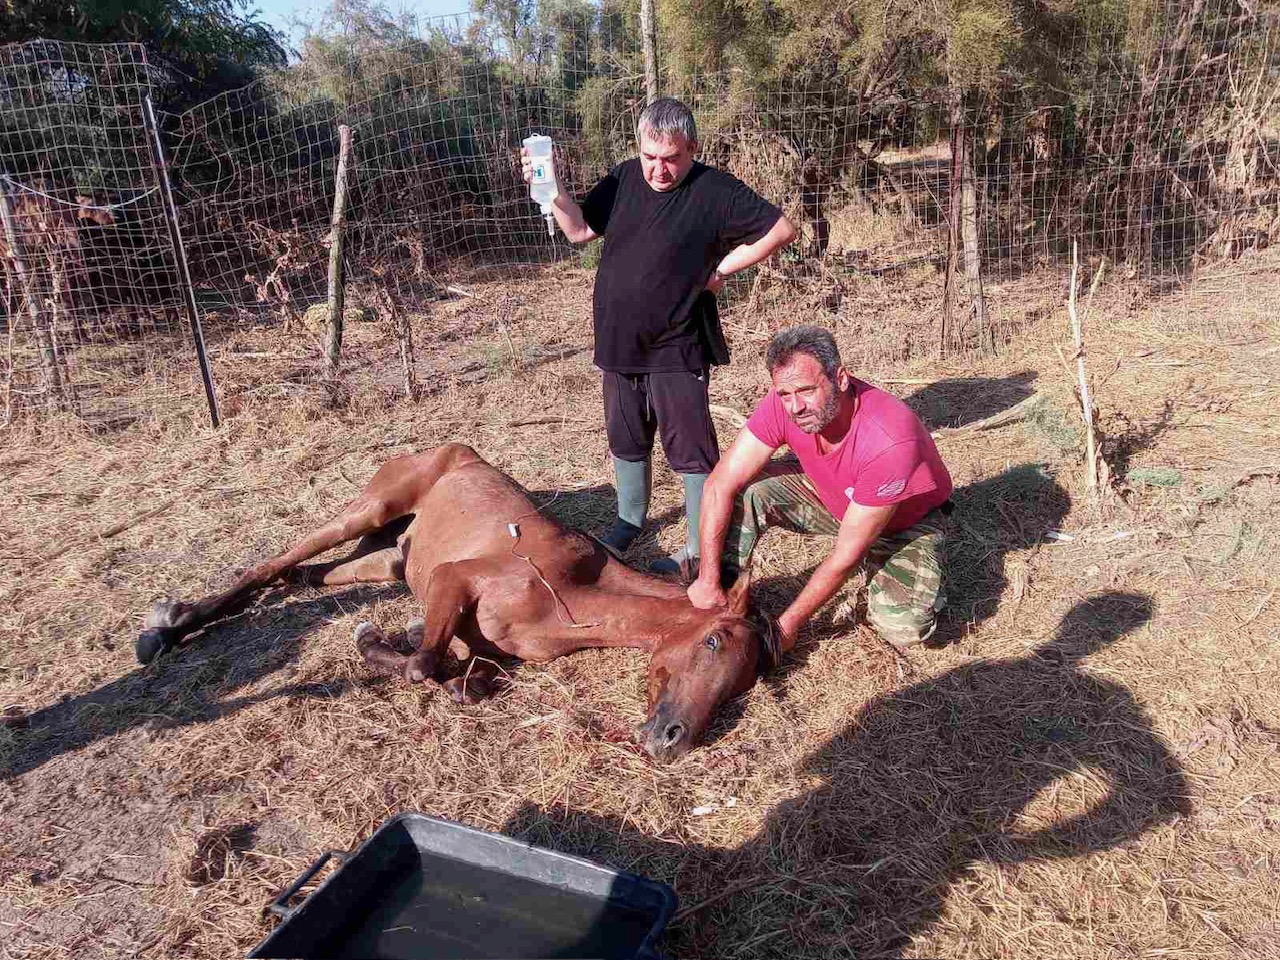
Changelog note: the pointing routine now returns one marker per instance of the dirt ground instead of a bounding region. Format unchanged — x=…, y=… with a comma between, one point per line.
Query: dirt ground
x=1086, y=765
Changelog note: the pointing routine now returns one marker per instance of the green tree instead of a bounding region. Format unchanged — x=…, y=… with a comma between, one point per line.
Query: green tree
x=220, y=42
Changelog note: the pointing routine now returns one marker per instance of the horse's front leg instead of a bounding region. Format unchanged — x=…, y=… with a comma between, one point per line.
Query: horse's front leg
x=449, y=597
x=476, y=675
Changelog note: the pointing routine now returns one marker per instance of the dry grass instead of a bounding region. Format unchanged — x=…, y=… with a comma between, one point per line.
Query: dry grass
x=1090, y=767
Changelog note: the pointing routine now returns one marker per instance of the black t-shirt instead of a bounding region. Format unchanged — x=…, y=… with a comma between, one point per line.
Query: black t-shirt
x=659, y=252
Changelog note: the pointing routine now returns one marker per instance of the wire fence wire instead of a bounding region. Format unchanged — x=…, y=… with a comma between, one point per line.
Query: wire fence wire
x=1159, y=153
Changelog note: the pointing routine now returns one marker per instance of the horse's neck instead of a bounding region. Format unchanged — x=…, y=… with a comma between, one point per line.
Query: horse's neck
x=617, y=577
x=624, y=608
x=630, y=620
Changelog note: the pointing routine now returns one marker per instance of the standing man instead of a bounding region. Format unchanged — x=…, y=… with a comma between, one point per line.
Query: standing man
x=674, y=230
x=869, y=475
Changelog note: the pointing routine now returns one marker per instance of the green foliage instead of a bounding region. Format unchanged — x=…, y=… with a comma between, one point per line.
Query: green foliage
x=1047, y=421
x=707, y=36
x=1155, y=476
x=979, y=39
x=217, y=41
x=590, y=254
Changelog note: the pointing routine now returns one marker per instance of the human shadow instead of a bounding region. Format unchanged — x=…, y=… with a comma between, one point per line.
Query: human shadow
x=1013, y=510
x=190, y=686
x=997, y=761
x=957, y=401
x=583, y=510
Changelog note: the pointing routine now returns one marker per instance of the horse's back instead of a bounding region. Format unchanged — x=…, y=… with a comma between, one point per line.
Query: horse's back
x=466, y=511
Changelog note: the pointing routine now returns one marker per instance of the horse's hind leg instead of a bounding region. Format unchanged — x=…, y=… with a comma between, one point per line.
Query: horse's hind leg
x=375, y=566
x=390, y=495
x=377, y=558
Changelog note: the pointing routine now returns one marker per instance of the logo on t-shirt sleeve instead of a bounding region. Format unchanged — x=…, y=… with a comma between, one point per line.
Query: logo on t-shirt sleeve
x=891, y=489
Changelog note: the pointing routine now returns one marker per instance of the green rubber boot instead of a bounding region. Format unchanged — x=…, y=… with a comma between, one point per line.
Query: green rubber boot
x=633, y=480
x=684, y=562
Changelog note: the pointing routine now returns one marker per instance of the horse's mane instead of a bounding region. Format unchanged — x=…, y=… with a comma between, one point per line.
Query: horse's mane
x=770, y=638
x=766, y=628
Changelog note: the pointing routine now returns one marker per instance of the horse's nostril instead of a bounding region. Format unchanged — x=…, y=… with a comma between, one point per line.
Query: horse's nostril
x=674, y=733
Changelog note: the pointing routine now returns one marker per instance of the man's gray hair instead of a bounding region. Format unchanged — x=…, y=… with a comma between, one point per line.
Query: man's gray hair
x=667, y=118
x=816, y=342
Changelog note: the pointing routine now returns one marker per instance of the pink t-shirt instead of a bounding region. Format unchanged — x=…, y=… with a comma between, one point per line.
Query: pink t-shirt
x=887, y=457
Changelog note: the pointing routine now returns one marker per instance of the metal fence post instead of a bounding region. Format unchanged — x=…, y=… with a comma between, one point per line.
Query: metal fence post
x=179, y=252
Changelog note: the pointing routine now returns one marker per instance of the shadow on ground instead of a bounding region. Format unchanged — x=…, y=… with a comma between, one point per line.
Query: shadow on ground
x=194, y=683
x=1013, y=510
x=922, y=785
x=959, y=401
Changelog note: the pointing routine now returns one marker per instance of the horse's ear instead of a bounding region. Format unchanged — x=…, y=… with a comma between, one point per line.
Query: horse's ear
x=739, y=594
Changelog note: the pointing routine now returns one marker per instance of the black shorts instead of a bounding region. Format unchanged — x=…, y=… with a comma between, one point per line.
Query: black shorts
x=636, y=406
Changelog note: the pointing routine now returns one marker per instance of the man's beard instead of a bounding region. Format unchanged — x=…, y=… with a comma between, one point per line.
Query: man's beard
x=822, y=418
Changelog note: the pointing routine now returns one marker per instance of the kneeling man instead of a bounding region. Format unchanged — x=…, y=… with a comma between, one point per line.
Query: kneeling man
x=869, y=474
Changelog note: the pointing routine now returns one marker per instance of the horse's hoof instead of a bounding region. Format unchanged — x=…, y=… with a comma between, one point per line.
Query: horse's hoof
x=467, y=693
x=368, y=636
x=151, y=643
x=165, y=614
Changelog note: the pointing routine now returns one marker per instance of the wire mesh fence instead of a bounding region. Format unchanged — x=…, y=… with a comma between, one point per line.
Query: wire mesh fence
x=1155, y=148
x=86, y=262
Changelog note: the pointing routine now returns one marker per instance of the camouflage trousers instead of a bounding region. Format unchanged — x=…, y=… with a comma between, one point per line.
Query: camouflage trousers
x=903, y=570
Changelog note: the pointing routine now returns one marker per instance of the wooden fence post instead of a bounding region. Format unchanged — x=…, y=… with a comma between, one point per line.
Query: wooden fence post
x=1077, y=332
x=161, y=168
x=43, y=335
x=337, y=223
x=649, y=40
x=962, y=219
x=404, y=336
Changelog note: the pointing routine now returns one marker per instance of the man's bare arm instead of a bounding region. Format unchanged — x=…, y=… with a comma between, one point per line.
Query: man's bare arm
x=745, y=459
x=749, y=254
x=858, y=530
x=567, y=213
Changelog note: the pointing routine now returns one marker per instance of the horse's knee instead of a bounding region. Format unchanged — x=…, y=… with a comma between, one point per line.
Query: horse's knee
x=454, y=453
x=372, y=515
x=420, y=666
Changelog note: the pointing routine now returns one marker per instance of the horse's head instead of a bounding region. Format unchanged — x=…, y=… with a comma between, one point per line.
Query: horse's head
x=694, y=669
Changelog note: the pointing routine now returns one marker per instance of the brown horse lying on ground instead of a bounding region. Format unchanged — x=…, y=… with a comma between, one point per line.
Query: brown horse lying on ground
x=494, y=575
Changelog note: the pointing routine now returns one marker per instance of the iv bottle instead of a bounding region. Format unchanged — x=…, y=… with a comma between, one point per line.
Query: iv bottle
x=542, y=190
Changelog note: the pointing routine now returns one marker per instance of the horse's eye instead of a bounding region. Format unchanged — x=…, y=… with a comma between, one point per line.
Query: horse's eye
x=712, y=642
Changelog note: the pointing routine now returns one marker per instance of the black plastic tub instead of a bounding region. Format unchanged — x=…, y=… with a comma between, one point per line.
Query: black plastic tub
x=425, y=888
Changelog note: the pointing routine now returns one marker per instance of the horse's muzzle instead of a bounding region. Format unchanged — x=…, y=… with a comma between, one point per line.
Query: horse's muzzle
x=665, y=735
